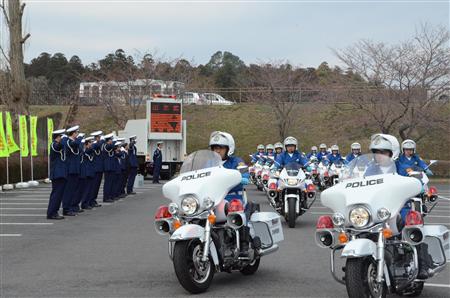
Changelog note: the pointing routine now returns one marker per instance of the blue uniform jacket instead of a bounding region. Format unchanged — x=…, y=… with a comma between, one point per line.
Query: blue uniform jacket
x=403, y=163
x=118, y=162
x=310, y=154
x=351, y=157
x=284, y=158
x=124, y=160
x=232, y=163
x=108, y=157
x=98, y=156
x=256, y=156
x=334, y=158
x=87, y=169
x=132, y=158
x=157, y=157
x=321, y=155
x=58, y=168
x=73, y=154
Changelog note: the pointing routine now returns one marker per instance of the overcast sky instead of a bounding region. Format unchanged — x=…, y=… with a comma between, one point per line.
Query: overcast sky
x=302, y=32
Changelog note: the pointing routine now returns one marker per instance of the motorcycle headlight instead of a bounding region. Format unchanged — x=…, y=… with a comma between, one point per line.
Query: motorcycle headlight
x=338, y=219
x=292, y=181
x=359, y=217
x=173, y=208
x=208, y=202
x=383, y=214
x=189, y=205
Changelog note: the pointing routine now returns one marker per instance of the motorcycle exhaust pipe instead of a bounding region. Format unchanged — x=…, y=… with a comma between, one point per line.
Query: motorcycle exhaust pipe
x=163, y=226
x=413, y=235
x=236, y=220
x=266, y=251
x=325, y=238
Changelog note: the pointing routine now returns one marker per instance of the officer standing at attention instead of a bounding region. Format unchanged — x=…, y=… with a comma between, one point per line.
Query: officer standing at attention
x=87, y=171
x=157, y=162
x=58, y=175
x=132, y=159
x=71, y=145
x=98, y=166
x=108, y=157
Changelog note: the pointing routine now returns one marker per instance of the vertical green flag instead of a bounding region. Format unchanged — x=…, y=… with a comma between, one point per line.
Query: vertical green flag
x=49, y=133
x=33, y=135
x=23, y=135
x=12, y=145
x=3, y=144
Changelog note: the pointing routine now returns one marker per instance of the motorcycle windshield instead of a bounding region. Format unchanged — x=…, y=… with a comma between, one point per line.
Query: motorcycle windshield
x=201, y=159
x=369, y=165
x=292, y=168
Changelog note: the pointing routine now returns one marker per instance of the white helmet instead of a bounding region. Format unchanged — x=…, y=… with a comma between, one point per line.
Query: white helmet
x=314, y=148
x=334, y=148
x=222, y=139
x=322, y=146
x=290, y=141
x=409, y=144
x=260, y=147
x=270, y=147
x=356, y=146
x=278, y=145
x=385, y=142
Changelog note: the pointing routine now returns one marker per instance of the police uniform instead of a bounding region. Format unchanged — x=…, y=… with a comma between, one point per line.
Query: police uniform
x=58, y=175
x=72, y=151
x=232, y=162
x=124, y=166
x=117, y=170
x=352, y=156
x=284, y=158
x=87, y=171
x=334, y=158
x=157, y=163
x=76, y=199
x=133, y=165
x=108, y=158
x=321, y=155
x=97, y=166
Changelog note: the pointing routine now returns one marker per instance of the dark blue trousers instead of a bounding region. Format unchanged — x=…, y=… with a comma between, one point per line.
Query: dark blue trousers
x=156, y=171
x=70, y=192
x=86, y=194
x=117, y=184
x=77, y=196
x=56, y=196
x=108, y=186
x=96, y=185
x=131, y=177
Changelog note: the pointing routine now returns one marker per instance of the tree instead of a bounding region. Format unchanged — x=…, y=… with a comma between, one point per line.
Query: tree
x=18, y=93
x=402, y=82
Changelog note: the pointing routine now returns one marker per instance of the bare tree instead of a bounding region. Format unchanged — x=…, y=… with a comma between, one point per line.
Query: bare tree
x=279, y=85
x=402, y=81
x=19, y=91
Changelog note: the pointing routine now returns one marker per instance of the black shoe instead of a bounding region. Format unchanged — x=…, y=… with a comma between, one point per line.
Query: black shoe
x=108, y=201
x=155, y=182
x=80, y=211
x=122, y=196
x=132, y=193
x=95, y=205
x=86, y=208
x=69, y=213
x=56, y=217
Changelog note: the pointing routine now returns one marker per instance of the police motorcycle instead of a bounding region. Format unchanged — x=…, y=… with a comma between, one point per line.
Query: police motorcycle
x=382, y=254
x=313, y=172
x=259, y=167
x=273, y=193
x=334, y=171
x=204, y=229
x=266, y=171
x=324, y=176
x=295, y=189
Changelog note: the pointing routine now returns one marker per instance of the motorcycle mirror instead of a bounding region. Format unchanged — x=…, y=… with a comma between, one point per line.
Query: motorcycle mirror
x=432, y=161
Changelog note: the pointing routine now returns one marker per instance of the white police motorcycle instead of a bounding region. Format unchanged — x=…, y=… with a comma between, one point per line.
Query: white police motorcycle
x=204, y=229
x=295, y=189
x=383, y=253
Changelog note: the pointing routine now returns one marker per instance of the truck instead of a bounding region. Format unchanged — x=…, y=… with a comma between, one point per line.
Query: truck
x=164, y=122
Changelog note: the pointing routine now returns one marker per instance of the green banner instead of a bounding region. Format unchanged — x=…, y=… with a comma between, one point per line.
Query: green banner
x=49, y=133
x=33, y=135
x=3, y=144
x=12, y=145
x=23, y=135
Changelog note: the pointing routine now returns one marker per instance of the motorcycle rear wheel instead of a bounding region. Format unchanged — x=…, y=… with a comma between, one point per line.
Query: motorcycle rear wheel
x=360, y=277
x=195, y=276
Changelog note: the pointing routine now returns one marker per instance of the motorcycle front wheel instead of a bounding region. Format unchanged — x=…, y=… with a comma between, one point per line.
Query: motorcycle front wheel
x=360, y=279
x=292, y=213
x=193, y=274
x=251, y=268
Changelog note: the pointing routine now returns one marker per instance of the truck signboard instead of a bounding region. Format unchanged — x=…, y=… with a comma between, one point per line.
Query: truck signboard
x=165, y=117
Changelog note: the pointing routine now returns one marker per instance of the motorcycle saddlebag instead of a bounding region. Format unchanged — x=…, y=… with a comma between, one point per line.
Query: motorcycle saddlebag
x=437, y=238
x=267, y=226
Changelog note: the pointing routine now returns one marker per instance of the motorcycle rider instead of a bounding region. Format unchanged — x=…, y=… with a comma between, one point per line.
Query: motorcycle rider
x=312, y=153
x=291, y=154
x=386, y=150
x=356, y=151
x=409, y=159
x=260, y=152
x=223, y=144
x=323, y=152
x=278, y=149
x=270, y=150
x=334, y=156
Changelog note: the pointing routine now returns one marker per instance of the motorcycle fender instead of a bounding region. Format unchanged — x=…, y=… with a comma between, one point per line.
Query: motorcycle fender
x=359, y=248
x=297, y=205
x=190, y=231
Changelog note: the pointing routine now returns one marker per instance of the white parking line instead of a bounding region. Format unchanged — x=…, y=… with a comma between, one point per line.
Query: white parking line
x=3, y=203
x=437, y=285
x=20, y=215
x=439, y=223
x=19, y=199
x=445, y=216
x=10, y=235
x=26, y=223
x=23, y=208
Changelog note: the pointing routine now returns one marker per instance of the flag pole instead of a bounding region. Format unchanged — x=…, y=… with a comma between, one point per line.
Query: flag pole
x=21, y=184
x=32, y=182
x=7, y=186
x=47, y=180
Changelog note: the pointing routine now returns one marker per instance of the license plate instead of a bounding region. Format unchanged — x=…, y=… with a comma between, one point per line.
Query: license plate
x=165, y=167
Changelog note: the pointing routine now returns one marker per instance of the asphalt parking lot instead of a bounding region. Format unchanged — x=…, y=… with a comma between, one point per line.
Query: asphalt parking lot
x=114, y=251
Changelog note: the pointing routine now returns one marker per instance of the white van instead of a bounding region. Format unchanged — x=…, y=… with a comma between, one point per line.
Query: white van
x=216, y=99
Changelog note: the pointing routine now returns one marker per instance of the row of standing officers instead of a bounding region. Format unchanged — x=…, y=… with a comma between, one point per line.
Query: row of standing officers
x=78, y=164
